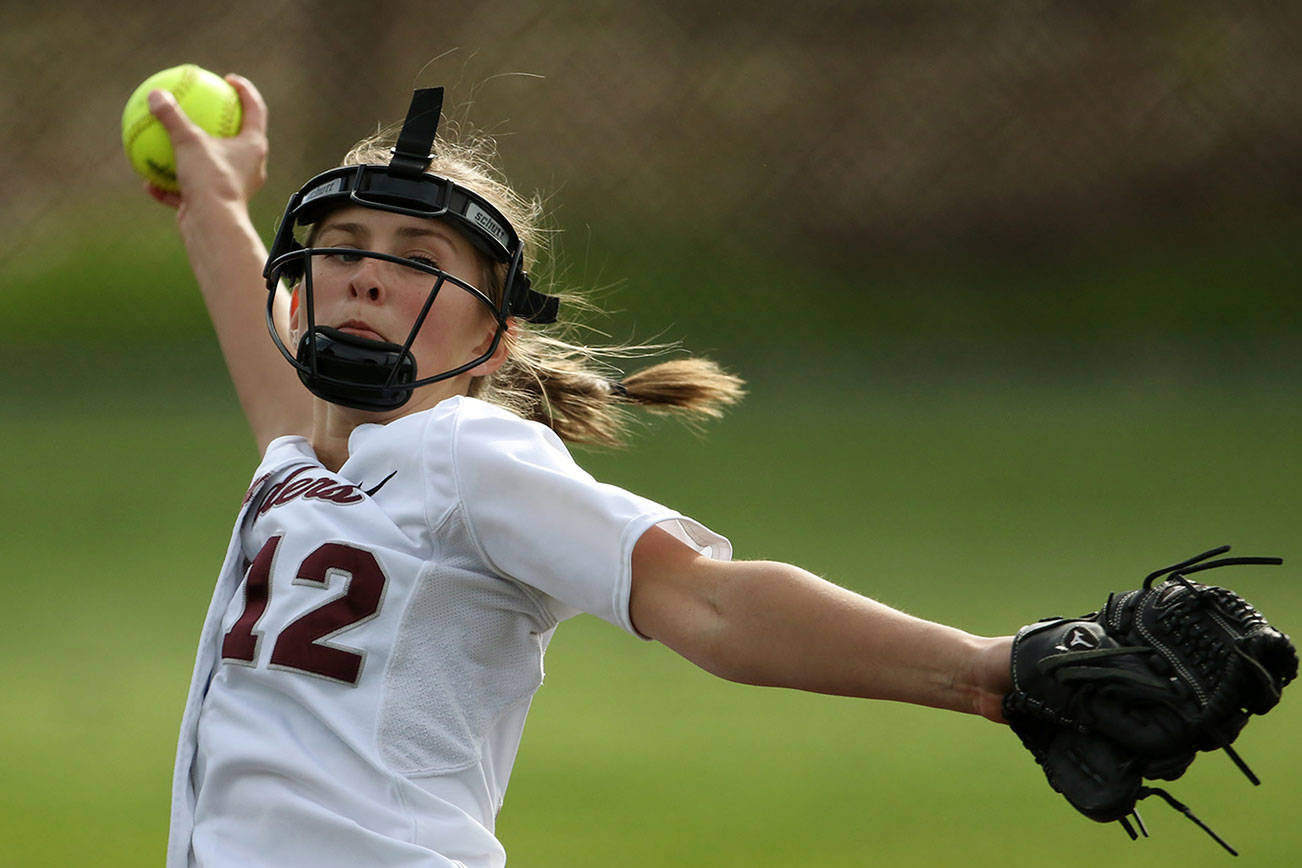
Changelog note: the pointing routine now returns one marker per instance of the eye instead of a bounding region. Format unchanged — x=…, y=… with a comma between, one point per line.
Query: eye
x=424, y=259
x=343, y=256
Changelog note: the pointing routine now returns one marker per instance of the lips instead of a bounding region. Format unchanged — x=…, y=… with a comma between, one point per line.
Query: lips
x=360, y=329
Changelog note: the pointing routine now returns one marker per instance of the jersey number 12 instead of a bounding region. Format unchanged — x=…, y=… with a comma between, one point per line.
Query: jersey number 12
x=299, y=645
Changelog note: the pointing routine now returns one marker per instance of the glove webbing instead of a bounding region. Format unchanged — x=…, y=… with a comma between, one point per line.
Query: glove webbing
x=1178, y=573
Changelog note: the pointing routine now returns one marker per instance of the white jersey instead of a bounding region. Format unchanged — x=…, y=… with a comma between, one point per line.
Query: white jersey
x=377, y=634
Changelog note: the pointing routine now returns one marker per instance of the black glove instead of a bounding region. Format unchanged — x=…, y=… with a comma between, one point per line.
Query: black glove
x=1136, y=689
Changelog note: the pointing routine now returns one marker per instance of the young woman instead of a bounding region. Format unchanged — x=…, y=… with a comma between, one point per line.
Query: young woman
x=416, y=529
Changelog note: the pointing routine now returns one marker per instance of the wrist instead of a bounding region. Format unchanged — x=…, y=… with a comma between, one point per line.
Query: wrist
x=213, y=209
x=219, y=190
x=992, y=677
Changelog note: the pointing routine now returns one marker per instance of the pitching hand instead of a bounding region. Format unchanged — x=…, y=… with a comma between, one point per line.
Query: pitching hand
x=230, y=169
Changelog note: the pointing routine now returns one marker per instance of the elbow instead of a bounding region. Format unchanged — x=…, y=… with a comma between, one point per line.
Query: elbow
x=719, y=628
x=727, y=617
x=719, y=656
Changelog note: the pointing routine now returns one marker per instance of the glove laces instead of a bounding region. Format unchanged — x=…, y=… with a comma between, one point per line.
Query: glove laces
x=1145, y=792
x=1178, y=571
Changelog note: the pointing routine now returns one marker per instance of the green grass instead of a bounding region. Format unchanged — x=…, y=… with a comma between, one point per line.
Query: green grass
x=981, y=502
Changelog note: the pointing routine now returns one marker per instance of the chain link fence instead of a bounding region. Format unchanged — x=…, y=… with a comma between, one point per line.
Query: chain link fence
x=739, y=157
x=864, y=124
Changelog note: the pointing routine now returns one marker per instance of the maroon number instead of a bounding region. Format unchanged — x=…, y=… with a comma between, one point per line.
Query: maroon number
x=241, y=643
x=300, y=645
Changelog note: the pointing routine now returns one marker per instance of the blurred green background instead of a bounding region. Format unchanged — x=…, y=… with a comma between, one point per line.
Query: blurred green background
x=1013, y=286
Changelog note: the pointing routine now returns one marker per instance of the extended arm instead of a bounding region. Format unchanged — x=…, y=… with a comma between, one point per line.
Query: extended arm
x=773, y=624
x=217, y=177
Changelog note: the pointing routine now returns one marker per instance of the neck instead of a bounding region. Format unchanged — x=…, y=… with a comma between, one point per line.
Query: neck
x=331, y=425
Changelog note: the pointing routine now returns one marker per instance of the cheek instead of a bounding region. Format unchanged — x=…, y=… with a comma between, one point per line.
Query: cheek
x=457, y=324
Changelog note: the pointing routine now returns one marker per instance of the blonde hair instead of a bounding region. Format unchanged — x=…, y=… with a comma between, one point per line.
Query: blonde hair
x=549, y=376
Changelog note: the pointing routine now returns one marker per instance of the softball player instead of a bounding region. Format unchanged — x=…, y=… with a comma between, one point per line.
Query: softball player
x=416, y=529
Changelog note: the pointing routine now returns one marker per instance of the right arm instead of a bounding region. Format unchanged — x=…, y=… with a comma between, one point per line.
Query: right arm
x=217, y=176
x=774, y=624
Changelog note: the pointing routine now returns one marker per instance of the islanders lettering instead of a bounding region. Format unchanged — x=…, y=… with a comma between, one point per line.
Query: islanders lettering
x=295, y=486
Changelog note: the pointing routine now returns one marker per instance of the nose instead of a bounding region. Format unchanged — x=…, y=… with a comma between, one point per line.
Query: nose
x=367, y=281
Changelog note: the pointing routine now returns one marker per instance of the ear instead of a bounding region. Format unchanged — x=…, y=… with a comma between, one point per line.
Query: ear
x=499, y=356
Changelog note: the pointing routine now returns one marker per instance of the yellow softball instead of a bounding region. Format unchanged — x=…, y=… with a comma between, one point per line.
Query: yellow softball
x=207, y=98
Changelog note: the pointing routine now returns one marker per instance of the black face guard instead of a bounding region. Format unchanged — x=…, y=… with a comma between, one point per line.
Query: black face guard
x=360, y=372
x=378, y=375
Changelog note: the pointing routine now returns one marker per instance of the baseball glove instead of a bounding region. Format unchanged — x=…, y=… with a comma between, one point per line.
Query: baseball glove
x=1136, y=689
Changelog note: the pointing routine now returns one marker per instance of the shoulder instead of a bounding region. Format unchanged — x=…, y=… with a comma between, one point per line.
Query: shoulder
x=460, y=450
x=481, y=432
x=435, y=435
x=453, y=420
x=477, y=413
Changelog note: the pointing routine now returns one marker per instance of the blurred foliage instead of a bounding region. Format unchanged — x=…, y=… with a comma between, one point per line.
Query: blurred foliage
x=1224, y=308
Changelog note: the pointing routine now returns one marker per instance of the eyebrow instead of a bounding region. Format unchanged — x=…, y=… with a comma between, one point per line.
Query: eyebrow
x=411, y=231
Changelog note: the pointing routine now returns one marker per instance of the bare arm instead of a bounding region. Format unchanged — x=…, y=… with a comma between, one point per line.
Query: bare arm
x=774, y=624
x=217, y=177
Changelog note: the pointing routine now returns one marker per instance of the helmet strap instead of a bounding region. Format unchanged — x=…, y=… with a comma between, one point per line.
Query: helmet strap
x=415, y=147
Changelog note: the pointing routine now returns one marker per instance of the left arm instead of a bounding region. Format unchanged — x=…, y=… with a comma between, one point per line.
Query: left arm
x=774, y=624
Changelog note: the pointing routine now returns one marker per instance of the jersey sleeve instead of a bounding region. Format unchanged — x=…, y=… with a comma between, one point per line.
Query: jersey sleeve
x=540, y=519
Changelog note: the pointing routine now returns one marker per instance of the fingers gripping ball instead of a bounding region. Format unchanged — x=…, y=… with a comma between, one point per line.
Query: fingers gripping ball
x=1135, y=690
x=208, y=100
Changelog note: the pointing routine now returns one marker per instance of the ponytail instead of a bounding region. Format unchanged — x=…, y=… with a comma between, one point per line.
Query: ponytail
x=567, y=388
x=693, y=385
